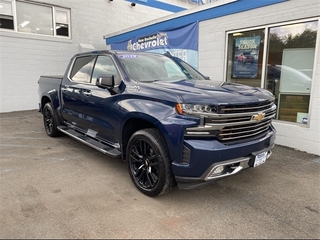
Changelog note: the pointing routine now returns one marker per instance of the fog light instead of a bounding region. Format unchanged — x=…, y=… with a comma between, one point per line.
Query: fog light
x=215, y=172
x=218, y=170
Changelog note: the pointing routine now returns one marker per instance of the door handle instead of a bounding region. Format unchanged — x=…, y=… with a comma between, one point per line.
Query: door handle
x=87, y=93
x=64, y=88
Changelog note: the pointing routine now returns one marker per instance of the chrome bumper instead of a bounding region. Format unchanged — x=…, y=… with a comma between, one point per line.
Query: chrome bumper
x=217, y=171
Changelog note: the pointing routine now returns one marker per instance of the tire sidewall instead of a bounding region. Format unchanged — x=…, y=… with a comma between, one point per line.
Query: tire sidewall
x=54, y=131
x=146, y=136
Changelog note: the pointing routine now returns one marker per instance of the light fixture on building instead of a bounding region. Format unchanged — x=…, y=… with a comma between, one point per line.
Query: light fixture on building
x=133, y=4
x=237, y=34
x=110, y=0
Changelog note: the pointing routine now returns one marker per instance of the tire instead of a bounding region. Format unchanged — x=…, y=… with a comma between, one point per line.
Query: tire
x=149, y=164
x=50, y=120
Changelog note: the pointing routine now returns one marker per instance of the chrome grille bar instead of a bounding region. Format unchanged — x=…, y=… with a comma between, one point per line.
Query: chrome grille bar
x=243, y=135
x=247, y=108
x=232, y=132
x=233, y=122
x=245, y=127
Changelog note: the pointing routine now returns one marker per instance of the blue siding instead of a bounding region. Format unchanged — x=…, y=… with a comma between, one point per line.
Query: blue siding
x=227, y=9
x=159, y=5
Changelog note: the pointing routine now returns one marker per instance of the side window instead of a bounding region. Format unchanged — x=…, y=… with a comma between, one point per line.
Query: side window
x=104, y=66
x=82, y=69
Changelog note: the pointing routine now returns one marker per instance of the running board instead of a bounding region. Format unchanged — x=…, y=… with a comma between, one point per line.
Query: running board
x=104, y=148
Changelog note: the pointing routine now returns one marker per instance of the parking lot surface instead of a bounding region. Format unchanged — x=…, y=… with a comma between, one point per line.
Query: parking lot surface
x=60, y=188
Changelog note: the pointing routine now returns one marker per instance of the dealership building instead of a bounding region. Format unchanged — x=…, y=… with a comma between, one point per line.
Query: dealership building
x=272, y=44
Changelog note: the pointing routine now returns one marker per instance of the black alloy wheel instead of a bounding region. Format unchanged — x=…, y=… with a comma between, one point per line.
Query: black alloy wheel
x=50, y=120
x=149, y=164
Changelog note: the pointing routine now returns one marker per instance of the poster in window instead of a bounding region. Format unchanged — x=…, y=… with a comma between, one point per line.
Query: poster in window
x=246, y=55
x=292, y=107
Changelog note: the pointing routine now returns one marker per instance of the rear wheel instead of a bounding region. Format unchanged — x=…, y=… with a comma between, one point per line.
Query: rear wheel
x=50, y=120
x=149, y=163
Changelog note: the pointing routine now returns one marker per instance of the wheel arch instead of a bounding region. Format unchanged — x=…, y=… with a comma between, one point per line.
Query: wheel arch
x=44, y=101
x=134, y=124
x=54, y=100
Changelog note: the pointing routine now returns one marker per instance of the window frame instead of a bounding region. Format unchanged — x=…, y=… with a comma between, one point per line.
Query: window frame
x=267, y=28
x=53, y=18
x=264, y=50
x=14, y=18
x=54, y=11
x=117, y=77
x=92, y=65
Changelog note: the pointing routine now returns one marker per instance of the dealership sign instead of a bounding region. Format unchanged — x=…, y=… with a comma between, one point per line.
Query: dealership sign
x=180, y=42
x=149, y=42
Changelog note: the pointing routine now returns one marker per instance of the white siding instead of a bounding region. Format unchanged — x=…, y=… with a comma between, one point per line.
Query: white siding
x=212, y=54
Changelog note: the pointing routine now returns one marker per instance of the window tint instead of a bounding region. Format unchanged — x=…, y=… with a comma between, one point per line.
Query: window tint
x=149, y=68
x=189, y=70
x=82, y=69
x=104, y=66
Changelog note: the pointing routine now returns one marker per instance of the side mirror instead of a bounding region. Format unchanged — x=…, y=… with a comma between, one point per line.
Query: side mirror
x=206, y=77
x=106, y=81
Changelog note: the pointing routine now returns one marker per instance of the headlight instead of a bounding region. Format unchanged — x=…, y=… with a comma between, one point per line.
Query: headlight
x=195, y=108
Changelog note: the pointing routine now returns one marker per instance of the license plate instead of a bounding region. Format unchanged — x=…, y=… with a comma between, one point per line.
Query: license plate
x=260, y=159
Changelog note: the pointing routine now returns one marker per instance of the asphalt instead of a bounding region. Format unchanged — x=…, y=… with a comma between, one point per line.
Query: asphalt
x=60, y=188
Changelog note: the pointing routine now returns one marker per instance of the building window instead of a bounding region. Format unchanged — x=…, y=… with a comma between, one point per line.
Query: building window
x=62, y=22
x=290, y=68
x=245, y=54
x=6, y=15
x=284, y=66
x=35, y=18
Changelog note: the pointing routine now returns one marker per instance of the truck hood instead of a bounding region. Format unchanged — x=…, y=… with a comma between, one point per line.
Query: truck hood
x=213, y=92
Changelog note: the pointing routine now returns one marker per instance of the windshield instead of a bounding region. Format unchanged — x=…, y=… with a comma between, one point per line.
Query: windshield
x=149, y=68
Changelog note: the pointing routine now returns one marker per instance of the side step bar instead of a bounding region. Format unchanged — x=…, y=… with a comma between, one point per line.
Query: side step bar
x=106, y=149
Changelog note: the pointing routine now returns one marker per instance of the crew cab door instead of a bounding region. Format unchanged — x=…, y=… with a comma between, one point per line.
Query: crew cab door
x=100, y=105
x=73, y=88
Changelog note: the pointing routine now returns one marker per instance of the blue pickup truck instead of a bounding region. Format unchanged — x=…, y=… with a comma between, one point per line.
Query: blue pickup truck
x=172, y=125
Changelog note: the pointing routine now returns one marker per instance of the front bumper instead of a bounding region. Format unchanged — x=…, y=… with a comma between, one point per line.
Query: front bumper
x=210, y=160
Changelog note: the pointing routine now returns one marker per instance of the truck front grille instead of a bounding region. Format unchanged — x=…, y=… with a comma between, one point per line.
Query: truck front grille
x=243, y=131
x=243, y=121
x=245, y=108
x=236, y=122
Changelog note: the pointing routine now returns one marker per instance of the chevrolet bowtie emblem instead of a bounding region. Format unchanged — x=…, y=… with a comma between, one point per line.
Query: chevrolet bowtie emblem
x=258, y=117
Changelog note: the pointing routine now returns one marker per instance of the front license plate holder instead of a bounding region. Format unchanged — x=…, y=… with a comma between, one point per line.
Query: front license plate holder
x=258, y=159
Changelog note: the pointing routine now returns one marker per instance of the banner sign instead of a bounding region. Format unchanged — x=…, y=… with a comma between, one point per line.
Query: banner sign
x=246, y=55
x=180, y=42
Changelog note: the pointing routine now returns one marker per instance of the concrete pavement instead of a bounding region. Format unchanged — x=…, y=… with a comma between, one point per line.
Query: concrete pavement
x=60, y=188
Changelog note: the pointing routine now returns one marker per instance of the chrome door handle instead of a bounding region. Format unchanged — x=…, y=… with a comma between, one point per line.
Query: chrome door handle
x=87, y=93
x=64, y=88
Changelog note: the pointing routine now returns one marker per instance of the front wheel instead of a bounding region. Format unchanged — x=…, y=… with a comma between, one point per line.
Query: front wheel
x=149, y=163
x=50, y=120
